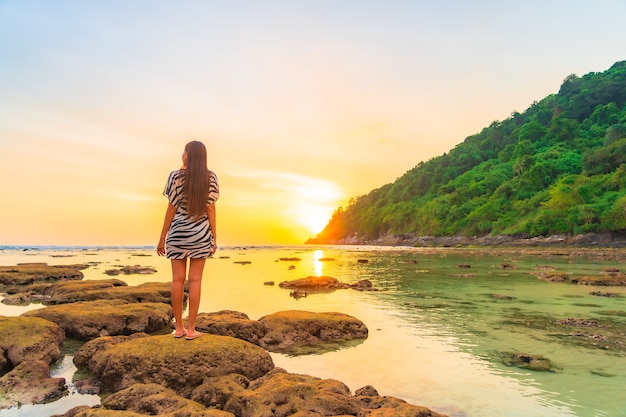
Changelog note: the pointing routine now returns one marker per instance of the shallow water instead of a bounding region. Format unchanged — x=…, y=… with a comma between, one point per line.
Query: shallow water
x=433, y=335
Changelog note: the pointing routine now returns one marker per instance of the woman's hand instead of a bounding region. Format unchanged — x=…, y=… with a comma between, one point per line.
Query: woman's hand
x=161, y=247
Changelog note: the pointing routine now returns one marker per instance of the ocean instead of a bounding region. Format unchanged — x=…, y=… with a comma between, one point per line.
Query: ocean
x=438, y=326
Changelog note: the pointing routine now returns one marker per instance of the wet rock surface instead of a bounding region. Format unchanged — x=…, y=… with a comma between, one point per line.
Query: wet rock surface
x=88, y=320
x=30, y=273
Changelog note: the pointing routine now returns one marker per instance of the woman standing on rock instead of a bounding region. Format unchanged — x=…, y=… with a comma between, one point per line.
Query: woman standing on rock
x=189, y=231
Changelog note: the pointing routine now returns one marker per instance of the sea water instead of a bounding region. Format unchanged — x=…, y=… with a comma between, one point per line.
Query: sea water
x=436, y=330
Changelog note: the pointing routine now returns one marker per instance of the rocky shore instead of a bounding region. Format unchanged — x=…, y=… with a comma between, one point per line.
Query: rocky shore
x=130, y=358
x=600, y=240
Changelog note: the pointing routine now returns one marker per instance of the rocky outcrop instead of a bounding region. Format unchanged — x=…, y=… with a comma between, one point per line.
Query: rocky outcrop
x=324, y=284
x=28, y=346
x=294, y=328
x=527, y=361
x=287, y=331
x=276, y=394
x=131, y=269
x=150, y=292
x=28, y=339
x=618, y=279
x=177, y=364
x=231, y=323
x=88, y=320
x=30, y=383
x=30, y=273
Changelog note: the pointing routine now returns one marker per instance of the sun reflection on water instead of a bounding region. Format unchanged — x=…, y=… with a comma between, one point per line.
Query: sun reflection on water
x=317, y=264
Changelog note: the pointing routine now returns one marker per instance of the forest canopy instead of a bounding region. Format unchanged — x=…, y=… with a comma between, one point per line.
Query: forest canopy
x=557, y=168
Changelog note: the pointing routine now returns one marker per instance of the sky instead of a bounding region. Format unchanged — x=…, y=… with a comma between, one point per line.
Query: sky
x=302, y=104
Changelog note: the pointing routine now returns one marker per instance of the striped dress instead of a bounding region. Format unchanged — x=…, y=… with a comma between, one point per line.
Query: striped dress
x=188, y=238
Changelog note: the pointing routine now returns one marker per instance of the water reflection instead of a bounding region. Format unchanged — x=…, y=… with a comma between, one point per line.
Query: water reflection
x=317, y=264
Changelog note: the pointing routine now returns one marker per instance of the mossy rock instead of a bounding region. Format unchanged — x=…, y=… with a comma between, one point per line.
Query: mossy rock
x=178, y=364
x=30, y=383
x=91, y=319
x=30, y=273
x=527, y=361
x=603, y=280
x=291, y=329
x=28, y=339
x=231, y=323
x=150, y=292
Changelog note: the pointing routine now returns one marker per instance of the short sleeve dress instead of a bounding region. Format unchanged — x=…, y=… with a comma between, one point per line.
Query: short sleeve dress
x=187, y=237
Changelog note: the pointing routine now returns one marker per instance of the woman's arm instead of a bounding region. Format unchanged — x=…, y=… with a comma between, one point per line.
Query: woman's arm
x=210, y=208
x=167, y=222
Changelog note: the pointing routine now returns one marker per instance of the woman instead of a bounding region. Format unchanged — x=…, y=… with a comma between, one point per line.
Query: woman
x=189, y=231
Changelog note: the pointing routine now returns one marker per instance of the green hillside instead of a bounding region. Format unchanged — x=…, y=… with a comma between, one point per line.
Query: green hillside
x=557, y=168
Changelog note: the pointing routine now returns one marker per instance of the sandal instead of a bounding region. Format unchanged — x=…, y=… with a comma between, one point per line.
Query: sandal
x=193, y=335
x=179, y=335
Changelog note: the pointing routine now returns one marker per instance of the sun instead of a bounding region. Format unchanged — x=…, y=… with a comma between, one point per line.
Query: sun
x=314, y=217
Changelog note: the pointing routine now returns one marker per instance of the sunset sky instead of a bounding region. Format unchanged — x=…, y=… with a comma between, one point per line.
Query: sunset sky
x=302, y=104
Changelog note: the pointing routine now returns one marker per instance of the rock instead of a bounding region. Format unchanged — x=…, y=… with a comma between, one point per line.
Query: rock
x=384, y=406
x=90, y=348
x=526, y=361
x=578, y=322
x=91, y=319
x=129, y=270
x=269, y=283
x=604, y=294
x=364, y=285
x=553, y=276
x=177, y=364
x=367, y=390
x=502, y=297
x=216, y=391
x=297, y=294
x=87, y=386
x=290, y=329
x=362, y=261
x=19, y=299
x=322, y=284
x=30, y=273
x=150, y=399
x=30, y=383
x=604, y=280
x=464, y=266
x=508, y=266
x=231, y=323
x=281, y=394
x=149, y=292
x=29, y=339
x=290, y=259
x=314, y=283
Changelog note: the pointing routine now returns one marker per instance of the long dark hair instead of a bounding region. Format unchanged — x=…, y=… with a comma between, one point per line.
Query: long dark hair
x=196, y=186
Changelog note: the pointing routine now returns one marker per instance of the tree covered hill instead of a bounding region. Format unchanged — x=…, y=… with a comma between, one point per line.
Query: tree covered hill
x=557, y=168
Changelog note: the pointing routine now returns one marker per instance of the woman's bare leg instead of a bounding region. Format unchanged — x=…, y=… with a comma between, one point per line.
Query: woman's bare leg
x=196, y=268
x=179, y=272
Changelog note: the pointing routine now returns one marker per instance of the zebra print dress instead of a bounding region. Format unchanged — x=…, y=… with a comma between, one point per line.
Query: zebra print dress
x=188, y=238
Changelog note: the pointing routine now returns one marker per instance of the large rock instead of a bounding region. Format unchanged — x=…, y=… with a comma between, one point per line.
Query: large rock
x=90, y=348
x=284, y=394
x=150, y=399
x=231, y=323
x=30, y=383
x=150, y=292
x=30, y=273
x=28, y=339
x=179, y=364
x=294, y=328
x=88, y=320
